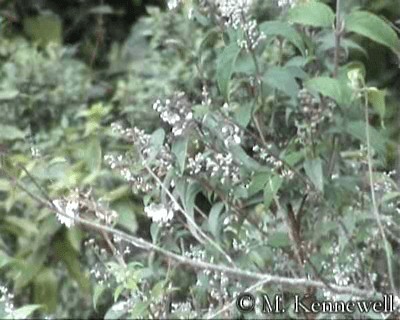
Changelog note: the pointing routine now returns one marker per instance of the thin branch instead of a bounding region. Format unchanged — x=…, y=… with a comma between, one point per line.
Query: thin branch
x=233, y=271
x=188, y=217
x=374, y=203
x=233, y=302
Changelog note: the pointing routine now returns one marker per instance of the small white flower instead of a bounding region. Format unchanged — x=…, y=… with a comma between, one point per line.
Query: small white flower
x=70, y=212
x=173, y=4
x=159, y=213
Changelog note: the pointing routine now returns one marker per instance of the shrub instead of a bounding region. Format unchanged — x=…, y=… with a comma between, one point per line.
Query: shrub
x=269, y=171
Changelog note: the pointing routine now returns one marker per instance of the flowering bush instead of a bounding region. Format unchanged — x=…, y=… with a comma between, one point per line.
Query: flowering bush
x=269, y=169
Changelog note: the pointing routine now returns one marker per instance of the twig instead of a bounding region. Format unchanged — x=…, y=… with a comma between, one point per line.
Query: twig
x=339, y=27
x=188, y=217
x=233, y=271
x=374, y=203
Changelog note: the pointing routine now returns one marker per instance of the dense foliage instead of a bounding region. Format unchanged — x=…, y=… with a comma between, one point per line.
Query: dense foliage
x=221, y=147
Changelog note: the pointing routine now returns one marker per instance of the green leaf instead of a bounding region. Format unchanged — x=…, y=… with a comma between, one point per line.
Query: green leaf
x=374, y=28
x=247, y=162
x=10, y=133
x=279, y=239
x=126, y=214
x=282, y=79
x=116, y=311
x=390, y=196
x=271, y=189
x=4, y=259
x=44, y=28
x=45, y=289
x=8, y=94
x=357, y=130
x=25, y=311
x=213, y=218
x=328, y=87
x=258, y=182
x=179, y=149
x=66, y=253
x=189, y=203
x=312, y=13
x=93, y=155
x=377, y=99
x=31, y=268
x=313, y=169
x=225, y=65
x=278, y=28
x=156, y=142
x=98, y=291
x=243, y=113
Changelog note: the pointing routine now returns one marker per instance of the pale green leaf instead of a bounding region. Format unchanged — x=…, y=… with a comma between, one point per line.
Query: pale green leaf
x=326, y=86
x=25, y=311
x=377, y=99
x=10, y=133
x=8, y=94
x=313, y=169
x=278, y=28
x=279, y=239
x=45, y=289
x=312, y=13
x=213, y=218
x=374, y=28
x=179, y=149
x=43, y=28
x=225, y=67
x=282, y=79
x=358, y=130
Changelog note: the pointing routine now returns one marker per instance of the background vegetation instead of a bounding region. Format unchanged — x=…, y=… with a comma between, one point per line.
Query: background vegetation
x=204, y=148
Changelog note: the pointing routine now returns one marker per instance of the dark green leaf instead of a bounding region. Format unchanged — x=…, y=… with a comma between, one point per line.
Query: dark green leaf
x=271, y=189
x=328, y=87
x=374, y=28
x=225, y=66
x=279, y=239
x=357, y=130
x=179, y=149
x=45, y=289
x=213, y=219
x=282, y=79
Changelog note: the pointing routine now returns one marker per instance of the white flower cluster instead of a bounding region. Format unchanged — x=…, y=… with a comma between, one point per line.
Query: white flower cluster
x=67, y=210
x=159, y=213
x=206, y=99
x=6, y=298
x=231, y=134
x=183, y=309
x=236, y=14
x=137, y=181
x=286, y=3
x=216, y=165
x=134, y=135
x=174, y=4
x=276, y=165
x=195, y=253
x=162, y=160
x=176, y=111
x=234, y=11
x=253, y=36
